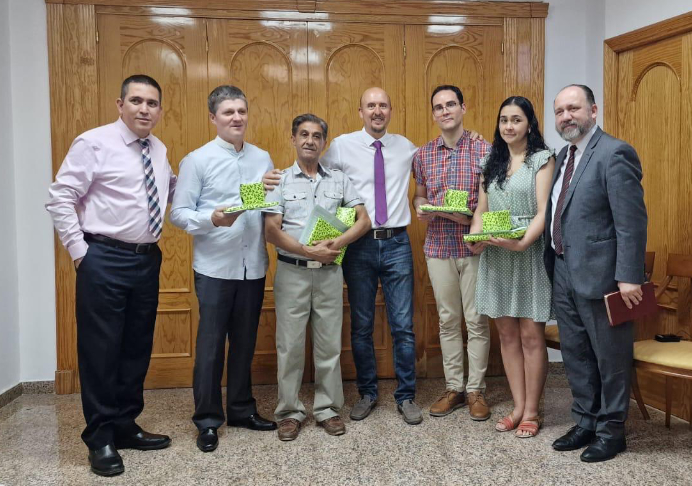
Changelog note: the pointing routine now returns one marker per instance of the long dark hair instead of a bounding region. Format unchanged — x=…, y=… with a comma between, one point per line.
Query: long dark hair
x=498, y=161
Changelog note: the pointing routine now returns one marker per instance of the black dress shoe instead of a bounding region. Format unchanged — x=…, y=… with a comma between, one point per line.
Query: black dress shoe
x=603, y=449
x=143, y=441
x=106, y=461
x=253, y=422
x=574, y=439
x=207, y=440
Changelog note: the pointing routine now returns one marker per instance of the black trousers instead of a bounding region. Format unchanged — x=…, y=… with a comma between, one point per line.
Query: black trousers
x=117, y=295
x=597, y=357
x=227, y=309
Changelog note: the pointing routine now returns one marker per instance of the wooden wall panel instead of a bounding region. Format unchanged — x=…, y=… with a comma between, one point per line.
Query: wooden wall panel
x=74, y=109
x=470, y=57
x=345, y=60
x=268, y=61
x=524, y=55
x=382, y=8
x=289, y=60
x=173, y=51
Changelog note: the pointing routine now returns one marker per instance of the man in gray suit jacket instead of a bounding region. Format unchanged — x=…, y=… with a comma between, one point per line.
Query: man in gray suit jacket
x=595, y=236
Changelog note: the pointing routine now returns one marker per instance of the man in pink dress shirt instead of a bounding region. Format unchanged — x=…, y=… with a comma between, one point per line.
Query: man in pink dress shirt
x=107, y=205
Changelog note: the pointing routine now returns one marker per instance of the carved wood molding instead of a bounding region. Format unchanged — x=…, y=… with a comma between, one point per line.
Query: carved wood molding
x=651, y=33
x=383, y=7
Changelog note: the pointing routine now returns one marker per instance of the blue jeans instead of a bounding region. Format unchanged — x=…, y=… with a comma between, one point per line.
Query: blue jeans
x=390, y=261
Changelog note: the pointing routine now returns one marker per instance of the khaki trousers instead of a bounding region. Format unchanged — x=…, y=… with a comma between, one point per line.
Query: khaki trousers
x=301, y=295
x=454, y=285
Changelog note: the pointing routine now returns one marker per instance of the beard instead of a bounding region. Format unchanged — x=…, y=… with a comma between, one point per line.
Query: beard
x=575, y=130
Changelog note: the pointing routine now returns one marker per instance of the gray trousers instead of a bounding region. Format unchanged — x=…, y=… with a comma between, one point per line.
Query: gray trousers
x=301, y=295
x=597, y=357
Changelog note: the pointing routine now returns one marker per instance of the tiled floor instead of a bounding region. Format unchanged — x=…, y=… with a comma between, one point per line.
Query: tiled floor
x=40, y=445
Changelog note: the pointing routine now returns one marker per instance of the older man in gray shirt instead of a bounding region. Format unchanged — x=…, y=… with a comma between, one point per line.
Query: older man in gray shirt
x=230, y=263
x=308, y=286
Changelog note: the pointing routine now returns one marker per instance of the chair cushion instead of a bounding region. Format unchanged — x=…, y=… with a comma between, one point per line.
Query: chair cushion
x=675, y=355
x=551, y=333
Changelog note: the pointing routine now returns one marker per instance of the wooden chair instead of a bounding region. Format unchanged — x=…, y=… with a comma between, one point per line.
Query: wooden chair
x=672, y=360
x=552, y=337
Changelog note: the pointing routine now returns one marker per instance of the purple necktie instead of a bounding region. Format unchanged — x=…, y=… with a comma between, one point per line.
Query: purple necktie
x=380, y=189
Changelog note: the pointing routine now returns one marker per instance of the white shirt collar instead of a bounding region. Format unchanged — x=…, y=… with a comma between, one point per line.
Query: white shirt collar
x=369, y=139
x=229, y=146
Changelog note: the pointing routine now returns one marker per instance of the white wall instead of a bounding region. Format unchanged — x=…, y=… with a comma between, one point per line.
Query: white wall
x=575, y=31
x=622, y=16
x=574, y=34
x=9, y=295
x=33, y=175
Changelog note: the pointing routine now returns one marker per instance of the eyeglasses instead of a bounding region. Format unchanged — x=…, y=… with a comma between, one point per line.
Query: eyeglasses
x=450, y=105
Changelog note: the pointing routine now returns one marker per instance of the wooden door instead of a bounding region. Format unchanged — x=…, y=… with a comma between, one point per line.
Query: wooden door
x=345, y=60
x=268, y=61
x=289, y=59
x=649, y=105
x=469, y=57
x=172, y=51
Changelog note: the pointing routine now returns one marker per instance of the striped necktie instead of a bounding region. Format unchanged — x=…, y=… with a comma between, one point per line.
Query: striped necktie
x=155, y=220
x=557, y=219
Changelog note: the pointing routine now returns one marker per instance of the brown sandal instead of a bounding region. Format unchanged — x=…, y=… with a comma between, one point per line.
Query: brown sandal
x=508, y=423
x=529, y=427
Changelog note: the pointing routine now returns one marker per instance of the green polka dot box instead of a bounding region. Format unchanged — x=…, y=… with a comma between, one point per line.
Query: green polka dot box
x=252, y=196
x=324, y=226
x=497, y=224
x=455, y=201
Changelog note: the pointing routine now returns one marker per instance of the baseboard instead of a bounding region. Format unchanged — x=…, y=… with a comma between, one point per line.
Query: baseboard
x=10, y=395
x=556, y=368
x=26, y=388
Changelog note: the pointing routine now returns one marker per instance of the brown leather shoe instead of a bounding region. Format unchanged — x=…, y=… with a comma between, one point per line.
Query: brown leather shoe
x=447, y=403
x=333, y=425
x=289, y=429
x=478, y=407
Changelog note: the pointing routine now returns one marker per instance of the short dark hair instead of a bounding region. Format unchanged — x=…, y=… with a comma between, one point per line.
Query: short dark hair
x=447, y=87
x=141, y=79
x=590, y=98
x=308, y=117
x=223, y=93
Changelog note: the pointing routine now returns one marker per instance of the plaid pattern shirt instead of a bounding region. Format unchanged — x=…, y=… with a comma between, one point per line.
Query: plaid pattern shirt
x=439, y=168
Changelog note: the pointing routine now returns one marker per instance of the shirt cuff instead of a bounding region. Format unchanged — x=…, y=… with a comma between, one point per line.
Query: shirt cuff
x=78, y=250
x=205, y=223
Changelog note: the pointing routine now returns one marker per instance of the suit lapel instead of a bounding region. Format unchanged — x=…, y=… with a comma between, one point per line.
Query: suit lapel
x=549, y=207
x=558, y=164
x=583, y=162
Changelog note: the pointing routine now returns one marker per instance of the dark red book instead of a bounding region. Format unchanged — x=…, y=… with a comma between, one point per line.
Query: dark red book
x=618, y=311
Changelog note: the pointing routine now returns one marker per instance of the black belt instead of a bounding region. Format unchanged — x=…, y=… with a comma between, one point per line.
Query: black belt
x=139, y=248
x=385, y=233
x=301, y=263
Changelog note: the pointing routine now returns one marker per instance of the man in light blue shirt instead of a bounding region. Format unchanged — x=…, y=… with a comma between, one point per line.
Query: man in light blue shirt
x=230, y=263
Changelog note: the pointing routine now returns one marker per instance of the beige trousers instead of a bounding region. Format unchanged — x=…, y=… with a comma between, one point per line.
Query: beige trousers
x=454, y=284
x=301, y=295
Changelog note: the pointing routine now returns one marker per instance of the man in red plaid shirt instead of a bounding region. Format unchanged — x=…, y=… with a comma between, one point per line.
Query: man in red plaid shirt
x=453, y=161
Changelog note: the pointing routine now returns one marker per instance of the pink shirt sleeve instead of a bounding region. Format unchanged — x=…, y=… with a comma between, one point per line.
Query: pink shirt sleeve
x=172, y=183
x=71, y=183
